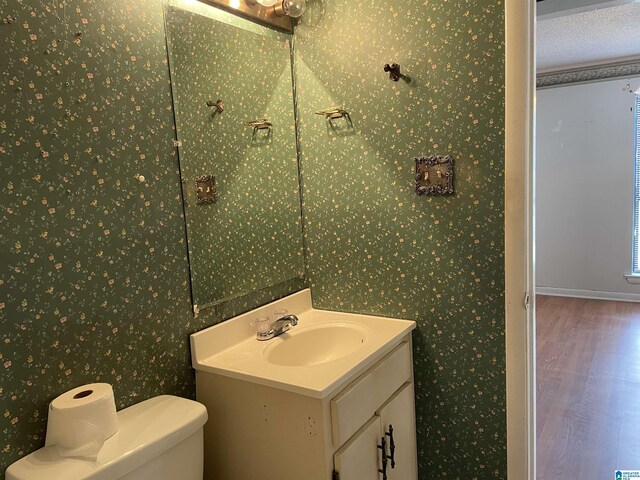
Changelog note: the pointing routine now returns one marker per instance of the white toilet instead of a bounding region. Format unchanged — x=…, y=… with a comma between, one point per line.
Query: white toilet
x=158, y=439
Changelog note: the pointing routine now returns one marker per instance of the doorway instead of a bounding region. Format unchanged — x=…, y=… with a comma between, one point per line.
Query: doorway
x=587, y=315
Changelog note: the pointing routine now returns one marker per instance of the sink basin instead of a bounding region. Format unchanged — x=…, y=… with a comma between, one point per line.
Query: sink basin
x=316, y=344
x=312, y=359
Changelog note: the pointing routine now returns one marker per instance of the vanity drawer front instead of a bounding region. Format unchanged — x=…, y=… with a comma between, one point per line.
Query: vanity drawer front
x=357, y=403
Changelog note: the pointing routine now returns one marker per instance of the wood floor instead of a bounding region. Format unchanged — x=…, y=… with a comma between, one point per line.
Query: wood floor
x=588, y=411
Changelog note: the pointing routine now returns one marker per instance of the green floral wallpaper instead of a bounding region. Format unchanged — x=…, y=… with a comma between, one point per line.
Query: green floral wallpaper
x=94, y=281
x=373, y=245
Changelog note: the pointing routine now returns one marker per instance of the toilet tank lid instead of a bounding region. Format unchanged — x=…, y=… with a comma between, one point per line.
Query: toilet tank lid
x=145, y=431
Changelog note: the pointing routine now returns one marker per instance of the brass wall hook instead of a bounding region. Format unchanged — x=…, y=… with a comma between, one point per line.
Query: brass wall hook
x=394, y=71
x=259, y=124
x=219, y=105
x=338, y=121
x=333, y=113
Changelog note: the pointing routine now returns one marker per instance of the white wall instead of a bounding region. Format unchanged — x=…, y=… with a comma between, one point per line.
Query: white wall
x=584, y=190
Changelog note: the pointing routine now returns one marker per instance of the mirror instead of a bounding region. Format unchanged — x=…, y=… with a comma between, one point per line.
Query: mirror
x=234, y=107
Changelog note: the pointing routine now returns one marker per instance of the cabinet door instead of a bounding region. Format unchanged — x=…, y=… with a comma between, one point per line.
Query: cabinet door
x=359, y=459
x=399, y=411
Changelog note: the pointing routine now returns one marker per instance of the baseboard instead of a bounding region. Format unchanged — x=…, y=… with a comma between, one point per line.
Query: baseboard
x=593, y=294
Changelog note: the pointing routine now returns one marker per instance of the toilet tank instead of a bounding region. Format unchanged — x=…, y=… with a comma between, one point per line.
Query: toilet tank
x=158, y=439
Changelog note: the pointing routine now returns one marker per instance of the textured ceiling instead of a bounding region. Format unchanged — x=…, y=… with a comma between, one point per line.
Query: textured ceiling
x=588, y=38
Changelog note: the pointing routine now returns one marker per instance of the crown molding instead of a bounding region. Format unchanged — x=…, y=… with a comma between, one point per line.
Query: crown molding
x=588, y=74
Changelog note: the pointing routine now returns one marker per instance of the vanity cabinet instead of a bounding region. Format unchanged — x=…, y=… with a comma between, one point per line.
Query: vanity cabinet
x=261, y=432
x=399, y=413
x=361, y=457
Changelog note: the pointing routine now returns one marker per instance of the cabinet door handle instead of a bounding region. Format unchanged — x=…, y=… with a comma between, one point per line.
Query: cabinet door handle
x=392, y=446
x=383, y=447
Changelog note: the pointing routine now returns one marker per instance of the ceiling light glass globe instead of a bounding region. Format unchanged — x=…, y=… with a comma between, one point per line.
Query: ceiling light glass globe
x=267, y=3
x=294, y=8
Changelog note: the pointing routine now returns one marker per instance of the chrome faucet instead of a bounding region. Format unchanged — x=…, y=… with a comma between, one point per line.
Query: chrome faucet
x=278, y=327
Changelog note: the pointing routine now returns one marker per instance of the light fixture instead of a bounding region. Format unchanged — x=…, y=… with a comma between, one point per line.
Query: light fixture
x=270, y=12
x=292, y=8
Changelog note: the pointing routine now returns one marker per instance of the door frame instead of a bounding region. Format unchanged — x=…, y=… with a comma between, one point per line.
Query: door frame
x=520, y=18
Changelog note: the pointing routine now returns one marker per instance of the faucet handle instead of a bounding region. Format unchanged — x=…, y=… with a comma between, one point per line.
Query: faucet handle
x=280, y=313
x=263, y=325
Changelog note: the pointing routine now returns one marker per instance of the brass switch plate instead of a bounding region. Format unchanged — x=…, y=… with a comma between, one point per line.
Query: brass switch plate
x=206, y=190
x=434, y=175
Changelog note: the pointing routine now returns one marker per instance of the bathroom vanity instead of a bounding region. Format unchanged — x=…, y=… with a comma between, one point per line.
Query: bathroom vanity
x=331, y=398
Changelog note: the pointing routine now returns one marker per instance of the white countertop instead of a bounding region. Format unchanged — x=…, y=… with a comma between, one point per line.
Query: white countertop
x=231, y=348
